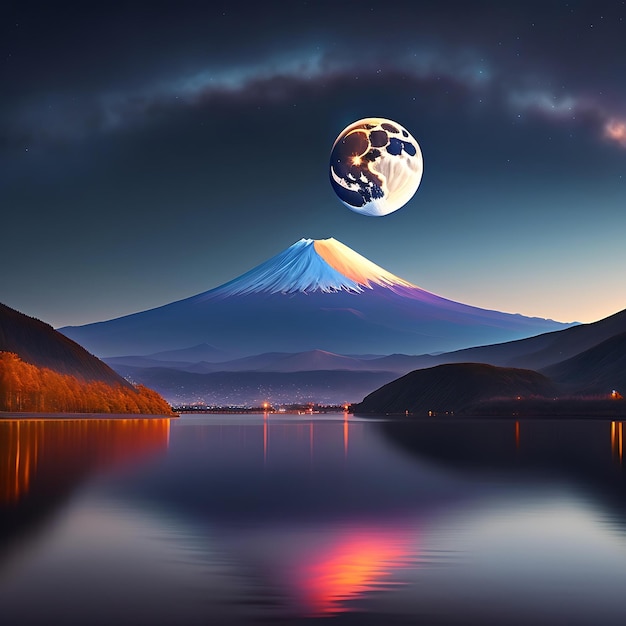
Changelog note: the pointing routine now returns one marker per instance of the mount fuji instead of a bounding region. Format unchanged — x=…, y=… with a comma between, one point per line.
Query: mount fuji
x=315, y=295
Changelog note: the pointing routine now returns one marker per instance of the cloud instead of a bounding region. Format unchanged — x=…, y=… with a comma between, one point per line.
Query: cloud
x=615, y=130
x=75, y=116
x=70, y=117
x=573, y=109
x=545, y=103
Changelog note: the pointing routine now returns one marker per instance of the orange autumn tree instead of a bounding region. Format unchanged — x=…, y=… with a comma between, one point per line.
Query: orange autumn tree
x=29, y=388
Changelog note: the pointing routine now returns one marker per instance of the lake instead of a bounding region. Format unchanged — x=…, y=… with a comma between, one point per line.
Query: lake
x=322, y=519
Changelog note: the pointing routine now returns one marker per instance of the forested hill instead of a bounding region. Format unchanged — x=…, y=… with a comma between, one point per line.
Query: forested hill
x=37, y=343
x=43, y=371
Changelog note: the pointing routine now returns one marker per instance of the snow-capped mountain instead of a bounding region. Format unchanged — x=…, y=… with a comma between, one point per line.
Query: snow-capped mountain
x=312, y=265
x=315, y=295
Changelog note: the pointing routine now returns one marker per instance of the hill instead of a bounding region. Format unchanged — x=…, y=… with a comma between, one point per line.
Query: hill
x=454, y=389
x=43, y=371
x=37, y=343
x=598, y=370
x=539, y=351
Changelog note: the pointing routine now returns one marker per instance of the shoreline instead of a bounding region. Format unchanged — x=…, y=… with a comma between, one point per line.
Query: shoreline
x=15, y=415
x=505, y=417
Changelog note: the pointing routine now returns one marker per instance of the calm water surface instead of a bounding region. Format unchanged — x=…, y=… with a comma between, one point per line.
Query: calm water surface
x=230, y=519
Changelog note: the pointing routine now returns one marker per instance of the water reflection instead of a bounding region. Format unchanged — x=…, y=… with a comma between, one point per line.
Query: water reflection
x=484, y=443
x=349, y=565
x=617, y=440
x=52, y=449
x=270, y=420
x=274, y=519
x=571, y=451
x=43, y=460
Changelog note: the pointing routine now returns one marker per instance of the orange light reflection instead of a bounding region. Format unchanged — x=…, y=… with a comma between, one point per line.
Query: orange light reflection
x=44, y=449
x=356, y=564
x=612, y=435
x=617, y=439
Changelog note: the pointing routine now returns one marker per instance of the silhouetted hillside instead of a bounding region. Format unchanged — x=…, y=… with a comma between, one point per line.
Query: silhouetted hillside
x=454, y=388
x=37, y=343
x=598, y=370
x=542, y=350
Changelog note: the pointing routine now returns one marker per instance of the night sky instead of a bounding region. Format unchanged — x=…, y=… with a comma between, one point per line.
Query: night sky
x=152, y=151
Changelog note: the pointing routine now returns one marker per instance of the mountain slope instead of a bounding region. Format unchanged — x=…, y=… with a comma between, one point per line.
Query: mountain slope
x=536, y=352
x=37, y=343
x=266, y=362
x=193, y=354
x=43, y=371
x=598, y=370
x=316, y=295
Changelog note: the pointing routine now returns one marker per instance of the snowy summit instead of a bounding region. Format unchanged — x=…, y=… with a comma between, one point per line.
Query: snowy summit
x=313, y=265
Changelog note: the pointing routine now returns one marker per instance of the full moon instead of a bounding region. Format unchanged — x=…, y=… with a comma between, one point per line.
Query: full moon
x=376, y=166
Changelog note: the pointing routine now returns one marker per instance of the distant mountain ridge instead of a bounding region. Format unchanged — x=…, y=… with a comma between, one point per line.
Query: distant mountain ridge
x=591, y=370
x=597, y=370
x=315, y=295
x=312, y=360
x=252, y=388
x=201, y=352
x=539, y=351
x=585, y=376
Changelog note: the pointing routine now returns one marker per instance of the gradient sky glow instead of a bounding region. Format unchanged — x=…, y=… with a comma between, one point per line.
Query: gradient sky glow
x=153, y=151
